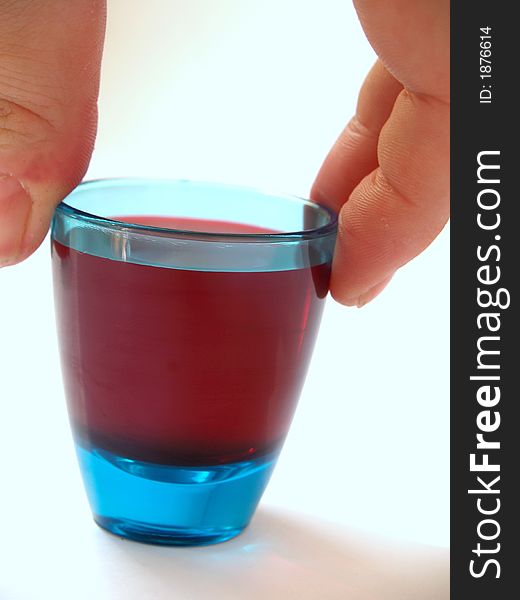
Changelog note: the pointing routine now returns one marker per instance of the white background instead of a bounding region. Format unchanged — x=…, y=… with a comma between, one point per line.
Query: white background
x=255, y=93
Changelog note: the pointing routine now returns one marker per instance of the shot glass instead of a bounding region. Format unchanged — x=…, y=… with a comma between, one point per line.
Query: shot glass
x=186, y=314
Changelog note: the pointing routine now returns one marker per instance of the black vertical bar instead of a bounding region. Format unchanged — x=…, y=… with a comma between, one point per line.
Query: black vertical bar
x=485, y=127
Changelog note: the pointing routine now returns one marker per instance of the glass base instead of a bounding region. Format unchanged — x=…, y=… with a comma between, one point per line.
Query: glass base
x=172, y=505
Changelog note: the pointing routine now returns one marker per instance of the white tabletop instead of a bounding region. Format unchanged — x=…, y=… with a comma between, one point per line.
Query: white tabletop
x=358, y=506
x=281, y=555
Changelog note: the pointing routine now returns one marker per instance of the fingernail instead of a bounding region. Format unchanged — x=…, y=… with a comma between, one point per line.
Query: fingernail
x=15, y=205
x=370, y=294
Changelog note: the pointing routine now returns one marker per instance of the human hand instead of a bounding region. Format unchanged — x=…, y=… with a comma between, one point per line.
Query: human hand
x=388, y=173
x=50, y=53
x=392, y=160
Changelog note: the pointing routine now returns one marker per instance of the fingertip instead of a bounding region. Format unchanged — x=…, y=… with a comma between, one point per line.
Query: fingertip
x=42, y=211
x=364, y=262
x=373, y=292
x=343, y=295
x=25, y=219
x=15, y=209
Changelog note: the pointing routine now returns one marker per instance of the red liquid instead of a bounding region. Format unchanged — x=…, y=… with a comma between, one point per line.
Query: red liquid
x=193, y=224
x=183, y=367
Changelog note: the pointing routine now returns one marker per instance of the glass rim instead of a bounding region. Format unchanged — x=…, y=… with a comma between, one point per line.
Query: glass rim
x=100, y=221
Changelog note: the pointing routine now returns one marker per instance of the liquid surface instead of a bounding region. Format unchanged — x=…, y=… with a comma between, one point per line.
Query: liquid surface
x=186, y=224
x=183, y=367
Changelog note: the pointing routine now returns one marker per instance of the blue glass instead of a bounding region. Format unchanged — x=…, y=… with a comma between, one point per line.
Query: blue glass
x=172, y=505
x=145, y=478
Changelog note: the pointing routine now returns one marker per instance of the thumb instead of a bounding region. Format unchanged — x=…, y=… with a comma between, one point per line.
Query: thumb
x=50, y=53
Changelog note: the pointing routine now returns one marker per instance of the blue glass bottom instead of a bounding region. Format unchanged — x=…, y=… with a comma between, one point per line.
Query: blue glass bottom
x=172, y=505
